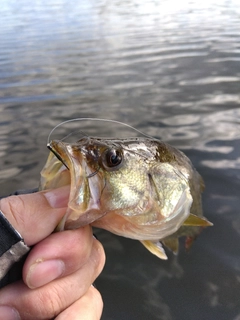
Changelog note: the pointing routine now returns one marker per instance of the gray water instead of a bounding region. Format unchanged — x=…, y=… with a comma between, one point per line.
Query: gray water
x=169, y=68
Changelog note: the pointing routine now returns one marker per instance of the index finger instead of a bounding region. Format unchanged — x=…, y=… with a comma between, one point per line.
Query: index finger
x=36, y=215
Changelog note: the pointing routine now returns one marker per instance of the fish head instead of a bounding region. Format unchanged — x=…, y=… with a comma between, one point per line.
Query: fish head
x=131, y=187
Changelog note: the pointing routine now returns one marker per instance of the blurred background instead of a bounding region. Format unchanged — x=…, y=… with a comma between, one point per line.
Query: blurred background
x=169, y=68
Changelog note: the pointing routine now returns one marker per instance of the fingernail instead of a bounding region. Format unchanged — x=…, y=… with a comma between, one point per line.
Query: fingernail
x=8, y=313
x=43, y=272
x=58, y=198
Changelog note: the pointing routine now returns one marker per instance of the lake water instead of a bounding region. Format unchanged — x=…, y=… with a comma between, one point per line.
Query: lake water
x=169, y=68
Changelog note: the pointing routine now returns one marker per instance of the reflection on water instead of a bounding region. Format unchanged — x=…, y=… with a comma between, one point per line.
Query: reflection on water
x=169, y=68
x=223, y=164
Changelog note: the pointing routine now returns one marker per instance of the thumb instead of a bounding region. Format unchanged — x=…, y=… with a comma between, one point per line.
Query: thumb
x=36, y=215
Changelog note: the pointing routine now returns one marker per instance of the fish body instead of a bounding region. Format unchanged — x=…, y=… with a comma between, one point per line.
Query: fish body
x=139, y=188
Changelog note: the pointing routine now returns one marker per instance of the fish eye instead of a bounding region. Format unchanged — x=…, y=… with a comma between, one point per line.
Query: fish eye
x=112, y=159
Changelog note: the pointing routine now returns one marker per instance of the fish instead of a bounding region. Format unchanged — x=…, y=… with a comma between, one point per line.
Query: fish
x=140, y=188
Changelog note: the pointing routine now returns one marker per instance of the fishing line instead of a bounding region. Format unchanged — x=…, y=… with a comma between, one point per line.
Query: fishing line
x=119, y=145
x=73, y=133
x=96, y=119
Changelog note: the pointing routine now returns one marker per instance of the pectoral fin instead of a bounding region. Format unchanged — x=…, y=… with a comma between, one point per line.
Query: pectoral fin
x=155, y=248
x=195, y=221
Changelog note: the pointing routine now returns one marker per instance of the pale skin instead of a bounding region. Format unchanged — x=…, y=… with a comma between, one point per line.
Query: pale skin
x=61, y=267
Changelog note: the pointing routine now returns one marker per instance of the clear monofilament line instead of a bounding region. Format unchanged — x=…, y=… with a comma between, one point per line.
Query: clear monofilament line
x=95, y=119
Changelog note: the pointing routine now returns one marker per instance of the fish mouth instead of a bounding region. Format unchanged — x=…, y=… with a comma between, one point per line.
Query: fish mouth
x=86, y=185
x=50, y=146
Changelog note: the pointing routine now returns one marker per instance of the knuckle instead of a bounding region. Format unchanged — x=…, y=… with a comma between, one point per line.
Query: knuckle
x=51, y=302
x=13, y=207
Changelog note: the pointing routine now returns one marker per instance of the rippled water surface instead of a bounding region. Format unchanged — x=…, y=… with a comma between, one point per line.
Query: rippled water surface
x=169, y=68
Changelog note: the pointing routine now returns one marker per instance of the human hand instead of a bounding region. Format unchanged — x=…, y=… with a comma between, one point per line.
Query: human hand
x=61, y=267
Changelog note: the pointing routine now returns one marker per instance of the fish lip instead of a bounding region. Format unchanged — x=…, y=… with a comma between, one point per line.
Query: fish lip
x=54, y=151
x=79, y=214
x=89, y=217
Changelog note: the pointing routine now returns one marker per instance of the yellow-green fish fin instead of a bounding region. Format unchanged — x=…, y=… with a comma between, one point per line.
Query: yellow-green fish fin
x=172, y=244
x=195, y=221
x=155, y=247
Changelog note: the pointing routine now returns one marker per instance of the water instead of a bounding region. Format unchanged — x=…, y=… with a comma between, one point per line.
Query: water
x=169, y=68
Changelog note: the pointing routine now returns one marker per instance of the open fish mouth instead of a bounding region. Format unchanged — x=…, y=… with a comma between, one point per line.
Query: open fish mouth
x=71, y=168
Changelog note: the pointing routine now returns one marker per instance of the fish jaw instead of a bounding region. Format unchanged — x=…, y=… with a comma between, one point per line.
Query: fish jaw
x=85, y=187
x=54, y=174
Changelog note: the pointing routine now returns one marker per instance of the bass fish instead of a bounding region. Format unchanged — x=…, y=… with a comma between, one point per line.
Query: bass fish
x=139, y=188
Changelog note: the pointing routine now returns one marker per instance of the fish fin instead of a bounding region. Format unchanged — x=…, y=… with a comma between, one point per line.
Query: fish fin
x=172, y=244
x=155, y=247
x=195, y=221
x=189, y=242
